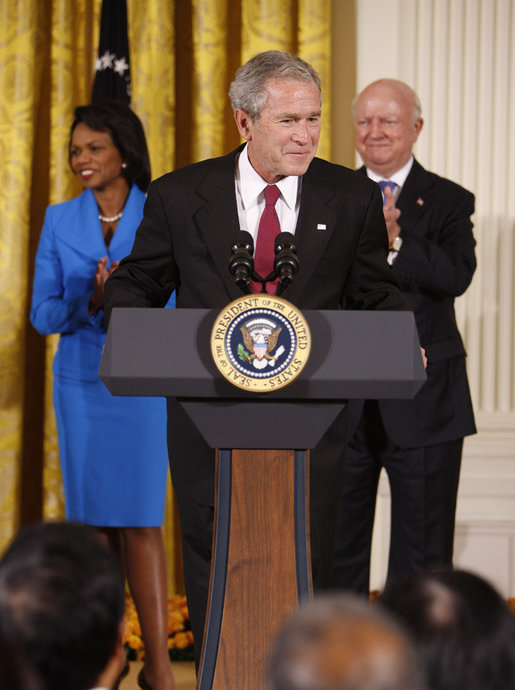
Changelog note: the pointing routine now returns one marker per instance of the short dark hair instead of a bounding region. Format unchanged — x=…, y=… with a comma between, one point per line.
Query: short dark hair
x=126, y=131
x=342, y=641
x=463, y=629
x=61, y=602
x=249, y=89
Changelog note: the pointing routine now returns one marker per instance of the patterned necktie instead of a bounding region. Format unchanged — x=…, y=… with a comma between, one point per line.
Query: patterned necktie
x=268, y=229
x=387, y=183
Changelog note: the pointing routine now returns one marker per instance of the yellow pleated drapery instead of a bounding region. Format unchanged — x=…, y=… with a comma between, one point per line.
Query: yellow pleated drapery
x=183, y=57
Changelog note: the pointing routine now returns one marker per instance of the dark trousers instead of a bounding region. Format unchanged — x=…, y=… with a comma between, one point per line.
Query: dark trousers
x=196, y=521
x=423, y=486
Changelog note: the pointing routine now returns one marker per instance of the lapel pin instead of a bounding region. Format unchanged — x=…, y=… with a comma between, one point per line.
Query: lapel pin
x=321, y=226
x=420, y=201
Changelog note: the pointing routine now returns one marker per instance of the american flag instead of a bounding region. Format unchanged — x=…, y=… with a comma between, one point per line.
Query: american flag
x=112, y=68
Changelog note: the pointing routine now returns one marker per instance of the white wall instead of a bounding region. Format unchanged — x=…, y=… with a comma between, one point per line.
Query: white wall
x=459, y=56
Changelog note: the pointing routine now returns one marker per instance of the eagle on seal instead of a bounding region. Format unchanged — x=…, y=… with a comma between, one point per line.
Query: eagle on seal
x=259, y=344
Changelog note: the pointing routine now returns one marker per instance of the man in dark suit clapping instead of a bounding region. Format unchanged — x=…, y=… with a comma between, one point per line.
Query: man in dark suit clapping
x=418, y=442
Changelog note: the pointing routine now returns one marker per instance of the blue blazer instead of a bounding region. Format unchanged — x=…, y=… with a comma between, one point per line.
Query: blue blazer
x=70, y=246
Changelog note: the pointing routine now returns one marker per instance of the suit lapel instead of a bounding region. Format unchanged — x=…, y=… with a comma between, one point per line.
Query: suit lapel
x=216, y=215
x=123, y=238
x=416, y=196
x=80, y=229
x=315, y=225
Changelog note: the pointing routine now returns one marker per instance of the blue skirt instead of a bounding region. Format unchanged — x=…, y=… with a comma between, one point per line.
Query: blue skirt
x=113, y=455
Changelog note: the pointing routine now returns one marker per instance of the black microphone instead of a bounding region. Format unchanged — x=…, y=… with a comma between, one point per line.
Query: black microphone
x=241, y=263
x=286, y=262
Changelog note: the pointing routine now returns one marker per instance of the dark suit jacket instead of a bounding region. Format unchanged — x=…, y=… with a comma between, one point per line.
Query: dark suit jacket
x=435, y=264
x=184, y=242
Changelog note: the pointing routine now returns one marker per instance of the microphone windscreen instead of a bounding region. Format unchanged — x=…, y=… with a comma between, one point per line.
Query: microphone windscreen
x=241, y=239
x=284, y=239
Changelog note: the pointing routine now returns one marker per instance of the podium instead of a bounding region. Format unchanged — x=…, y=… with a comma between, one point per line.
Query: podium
x=261, y=561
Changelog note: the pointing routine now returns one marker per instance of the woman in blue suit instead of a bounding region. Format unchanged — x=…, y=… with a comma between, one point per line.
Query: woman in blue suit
x=112, y=449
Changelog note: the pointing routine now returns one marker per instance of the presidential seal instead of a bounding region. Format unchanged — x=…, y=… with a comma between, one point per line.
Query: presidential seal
x=260, y=342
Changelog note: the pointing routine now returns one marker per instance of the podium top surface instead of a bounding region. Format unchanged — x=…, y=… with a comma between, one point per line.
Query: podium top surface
x=354, y=354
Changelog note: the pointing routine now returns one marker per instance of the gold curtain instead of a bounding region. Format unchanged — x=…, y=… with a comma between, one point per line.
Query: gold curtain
x=183, y=57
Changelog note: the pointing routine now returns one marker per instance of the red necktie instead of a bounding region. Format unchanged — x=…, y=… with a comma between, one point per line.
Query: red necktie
x=268, y=229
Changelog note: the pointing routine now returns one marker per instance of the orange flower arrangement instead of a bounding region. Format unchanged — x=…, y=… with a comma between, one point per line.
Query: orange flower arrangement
x=180, y=637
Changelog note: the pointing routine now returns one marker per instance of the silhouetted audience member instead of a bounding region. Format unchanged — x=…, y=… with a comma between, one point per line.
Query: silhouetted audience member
x=463, y=629
x=341, y=642
x=61, y=605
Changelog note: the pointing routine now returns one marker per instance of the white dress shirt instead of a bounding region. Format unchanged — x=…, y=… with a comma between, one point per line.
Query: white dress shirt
x=250, y=197
x=398, y=177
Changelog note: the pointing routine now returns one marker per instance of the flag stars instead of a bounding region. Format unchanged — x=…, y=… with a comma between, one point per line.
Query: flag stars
x=106, y=61
x=120, y=66
x=110, y=61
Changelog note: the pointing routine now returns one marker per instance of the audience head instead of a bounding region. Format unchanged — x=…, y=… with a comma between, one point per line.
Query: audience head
x=387, y=121
x=61, y=603
x=126, y=132
x=249, y=90
x=342, y=642
x=15, y=672
x=463, y=629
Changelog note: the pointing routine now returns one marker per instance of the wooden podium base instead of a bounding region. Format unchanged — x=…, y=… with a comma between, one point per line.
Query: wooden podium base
x=261, y=565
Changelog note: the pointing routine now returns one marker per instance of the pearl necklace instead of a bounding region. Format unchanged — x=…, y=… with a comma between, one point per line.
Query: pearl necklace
x=112, y=219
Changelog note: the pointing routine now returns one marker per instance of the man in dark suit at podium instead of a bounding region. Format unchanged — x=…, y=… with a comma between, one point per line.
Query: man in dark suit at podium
x=418, y=442
x=184, y=243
